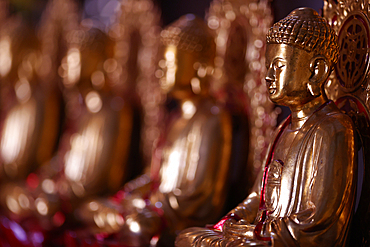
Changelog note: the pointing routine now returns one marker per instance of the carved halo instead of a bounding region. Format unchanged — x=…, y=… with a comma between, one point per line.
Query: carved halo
x=349, y=87
x=354, y=43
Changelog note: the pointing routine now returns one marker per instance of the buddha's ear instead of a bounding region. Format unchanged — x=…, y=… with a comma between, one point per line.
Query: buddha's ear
x=320, y=70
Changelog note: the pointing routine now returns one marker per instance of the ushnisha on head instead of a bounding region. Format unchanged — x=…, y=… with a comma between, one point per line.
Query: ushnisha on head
x=301, y=51
x=188, y=52
x=305, y=29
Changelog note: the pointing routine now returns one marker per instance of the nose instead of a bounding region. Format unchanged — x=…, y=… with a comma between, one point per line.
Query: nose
x=270, y=76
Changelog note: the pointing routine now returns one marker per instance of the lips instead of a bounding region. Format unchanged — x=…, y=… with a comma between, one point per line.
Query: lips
x=271, y=87
x=272, y=90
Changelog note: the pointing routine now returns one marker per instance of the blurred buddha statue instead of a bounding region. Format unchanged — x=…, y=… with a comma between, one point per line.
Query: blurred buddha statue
x=93, y=152
x=95, y=145
x=30, y=104
x=190, y=170
x=31, y=112
x=100, y=147
x=305, y=194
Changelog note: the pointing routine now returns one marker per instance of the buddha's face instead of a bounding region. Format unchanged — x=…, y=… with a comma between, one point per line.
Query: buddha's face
x=288, y=72
x=180, y=75
x=86, y=66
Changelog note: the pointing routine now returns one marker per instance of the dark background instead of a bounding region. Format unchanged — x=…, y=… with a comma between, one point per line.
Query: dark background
x=171, y=9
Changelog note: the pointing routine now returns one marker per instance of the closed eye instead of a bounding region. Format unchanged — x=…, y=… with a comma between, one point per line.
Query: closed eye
x=279, y=64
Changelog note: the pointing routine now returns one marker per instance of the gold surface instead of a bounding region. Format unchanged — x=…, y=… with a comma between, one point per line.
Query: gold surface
x=312, y=155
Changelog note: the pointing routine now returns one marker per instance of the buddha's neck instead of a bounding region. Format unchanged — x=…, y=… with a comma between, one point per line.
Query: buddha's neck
x=302, y=113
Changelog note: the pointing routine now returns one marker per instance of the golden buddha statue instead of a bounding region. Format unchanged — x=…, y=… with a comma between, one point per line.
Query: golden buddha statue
x=305, y=194
x=190, y=167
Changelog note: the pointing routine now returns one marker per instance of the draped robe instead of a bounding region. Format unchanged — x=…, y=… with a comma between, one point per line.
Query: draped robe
x=310, y=202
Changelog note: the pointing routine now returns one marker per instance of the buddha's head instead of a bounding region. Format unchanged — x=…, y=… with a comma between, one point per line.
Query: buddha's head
x=187, y=52
x=87, y=64
x=19, y=60
x=300, y=54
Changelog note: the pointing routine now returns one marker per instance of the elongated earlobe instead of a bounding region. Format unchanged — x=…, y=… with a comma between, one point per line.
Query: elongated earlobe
x=320, y=72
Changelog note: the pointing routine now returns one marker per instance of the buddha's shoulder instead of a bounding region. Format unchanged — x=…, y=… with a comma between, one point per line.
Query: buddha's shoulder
x=336, y=121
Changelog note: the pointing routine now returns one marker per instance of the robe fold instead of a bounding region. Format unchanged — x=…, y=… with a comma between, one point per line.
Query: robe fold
x=313, y=202
x=306, y=199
